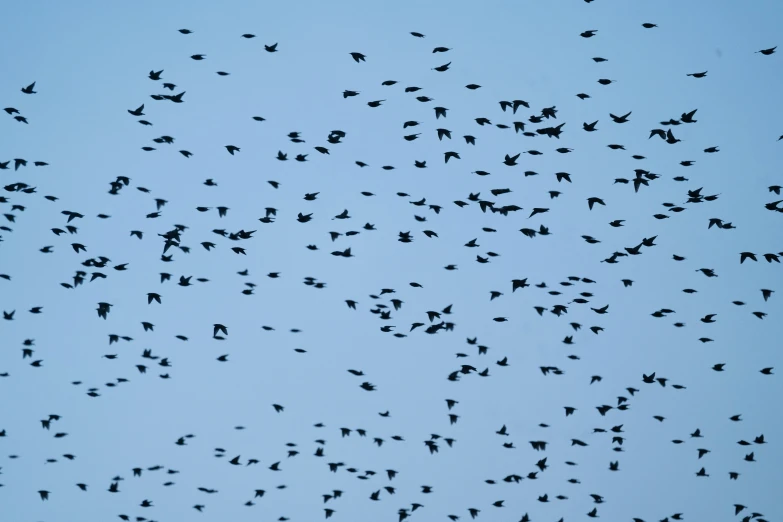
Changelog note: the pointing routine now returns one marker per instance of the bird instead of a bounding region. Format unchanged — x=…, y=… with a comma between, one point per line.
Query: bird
x=593, y=200
x=620, y=119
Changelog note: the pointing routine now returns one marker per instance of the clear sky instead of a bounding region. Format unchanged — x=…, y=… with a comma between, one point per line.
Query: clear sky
x=91, y=60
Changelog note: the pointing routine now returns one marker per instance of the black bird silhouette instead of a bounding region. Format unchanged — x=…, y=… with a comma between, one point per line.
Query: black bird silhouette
x=620, y=119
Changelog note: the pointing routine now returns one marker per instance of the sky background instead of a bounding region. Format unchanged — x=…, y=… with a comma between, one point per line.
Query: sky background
x=90, y=61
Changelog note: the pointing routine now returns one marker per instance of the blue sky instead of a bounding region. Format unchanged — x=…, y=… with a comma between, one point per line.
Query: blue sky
x=90, y=63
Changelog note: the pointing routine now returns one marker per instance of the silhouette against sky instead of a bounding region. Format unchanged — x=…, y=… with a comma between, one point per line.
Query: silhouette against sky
x=91, y=62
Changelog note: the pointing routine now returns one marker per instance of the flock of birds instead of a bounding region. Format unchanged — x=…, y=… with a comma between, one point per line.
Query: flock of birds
x=569, y=297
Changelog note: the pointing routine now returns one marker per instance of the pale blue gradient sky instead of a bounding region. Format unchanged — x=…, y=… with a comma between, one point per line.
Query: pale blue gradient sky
x=91, y=61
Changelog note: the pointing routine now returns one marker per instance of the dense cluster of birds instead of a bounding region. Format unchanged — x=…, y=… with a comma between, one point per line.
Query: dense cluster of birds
x=562, y=299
